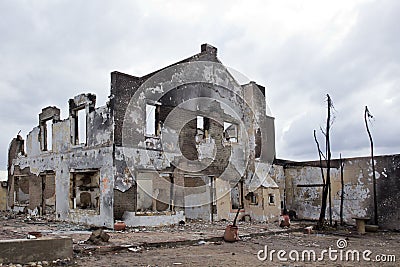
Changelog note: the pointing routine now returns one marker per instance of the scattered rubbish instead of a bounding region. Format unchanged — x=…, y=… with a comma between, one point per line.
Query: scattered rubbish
x=231, y=234
x=181, y=222
x=61, y=262
x=98, y=236
x=284, y=219
x=371, y=228
x=119, y=226
x=231, y=231
x=246, y=238
x=246, y=218
x=31, y=237
x=36, y=234
x=137, y=249
x=202, y=242
x=308, y=230
x=292, y=215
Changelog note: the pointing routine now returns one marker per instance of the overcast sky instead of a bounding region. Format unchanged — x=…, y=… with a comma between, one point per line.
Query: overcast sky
x=53, y=50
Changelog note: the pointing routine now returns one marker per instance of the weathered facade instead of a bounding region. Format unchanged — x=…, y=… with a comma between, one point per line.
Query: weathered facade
x=301, y=189
x=3, y=190
x=186, y=141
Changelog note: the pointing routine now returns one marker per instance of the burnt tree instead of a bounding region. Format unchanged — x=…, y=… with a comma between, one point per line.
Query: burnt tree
x=327, y=186
x=367, y=116
x=342, y=192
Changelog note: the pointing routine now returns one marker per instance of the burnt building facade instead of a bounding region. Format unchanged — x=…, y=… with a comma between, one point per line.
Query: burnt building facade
x=187, y=141
x=352, y=189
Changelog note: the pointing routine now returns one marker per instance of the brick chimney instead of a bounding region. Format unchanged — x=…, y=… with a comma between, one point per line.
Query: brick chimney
x=206, y=48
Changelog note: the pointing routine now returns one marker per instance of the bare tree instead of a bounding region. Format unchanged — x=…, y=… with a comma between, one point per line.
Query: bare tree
x=321, y=154
x=367, y=116
x=327, y=184
x=342, y=192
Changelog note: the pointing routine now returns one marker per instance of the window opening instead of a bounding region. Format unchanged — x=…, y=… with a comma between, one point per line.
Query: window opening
x=230, y=132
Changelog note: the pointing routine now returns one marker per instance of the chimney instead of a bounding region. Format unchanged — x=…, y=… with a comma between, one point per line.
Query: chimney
x=206, y=48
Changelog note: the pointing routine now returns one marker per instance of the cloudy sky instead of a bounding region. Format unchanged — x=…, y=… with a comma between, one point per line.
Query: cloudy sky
x=53, y=50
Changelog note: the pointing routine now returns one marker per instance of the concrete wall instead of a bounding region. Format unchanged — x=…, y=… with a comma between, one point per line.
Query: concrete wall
x=358, y=190
x=118, y=148
x=65, y=158
x=3, y=197
x=132, y=219
x=177, y=145
x=263, y=210
x=198, y=198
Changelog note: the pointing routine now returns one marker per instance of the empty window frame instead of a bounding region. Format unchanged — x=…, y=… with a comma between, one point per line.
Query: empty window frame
x=230, y=132
x=213, y=194
x=46, y=128
x=48, y=193
x=237, y=196
x=80, y=126
x=200, y=123
x=257, y=143
x=152, y=120
x=253, y=198
x=271, y=199
x=144, y=193
x=48, y=133
x=85, y=190
x=202, y=127
x=21, y=190
x=154, y=192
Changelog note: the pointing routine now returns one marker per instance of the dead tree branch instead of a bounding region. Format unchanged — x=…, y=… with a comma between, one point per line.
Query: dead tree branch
x=320, y=157
x=368, y=115
x=327, y=188
x=342, y=192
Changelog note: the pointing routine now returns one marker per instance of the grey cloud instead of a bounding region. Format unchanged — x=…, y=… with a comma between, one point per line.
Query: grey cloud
x=53, y=50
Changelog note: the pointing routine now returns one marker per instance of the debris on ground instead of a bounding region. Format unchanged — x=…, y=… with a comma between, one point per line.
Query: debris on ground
x=98, y=236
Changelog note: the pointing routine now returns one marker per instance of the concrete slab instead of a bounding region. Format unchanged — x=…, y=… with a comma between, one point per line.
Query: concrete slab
x=33, y=250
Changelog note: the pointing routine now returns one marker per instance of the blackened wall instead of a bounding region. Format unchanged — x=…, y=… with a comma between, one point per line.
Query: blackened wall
x=388, y=191
x=124, y=201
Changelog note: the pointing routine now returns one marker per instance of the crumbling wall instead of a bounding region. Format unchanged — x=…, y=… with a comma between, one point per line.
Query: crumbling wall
x=35, y=192
x=15, y=150
x=223, y=196
x=3, y=195
x=124, y=202
x=117, y=146
x=271, y=203
x=48, y=171
x=198, y=198
x=388, y=190
x=178, y=145
x=303, y=190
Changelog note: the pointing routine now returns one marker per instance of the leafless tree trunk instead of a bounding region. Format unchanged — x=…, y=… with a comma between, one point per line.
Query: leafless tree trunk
x=327, y=187
x=342, y=193
x=368, y=115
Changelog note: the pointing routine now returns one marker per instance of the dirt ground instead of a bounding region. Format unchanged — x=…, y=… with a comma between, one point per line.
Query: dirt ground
x=244, y=252
x=200, y=244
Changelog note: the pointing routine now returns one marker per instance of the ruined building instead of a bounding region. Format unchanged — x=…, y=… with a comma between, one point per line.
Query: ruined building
x=301, y=184
x=186, y=141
